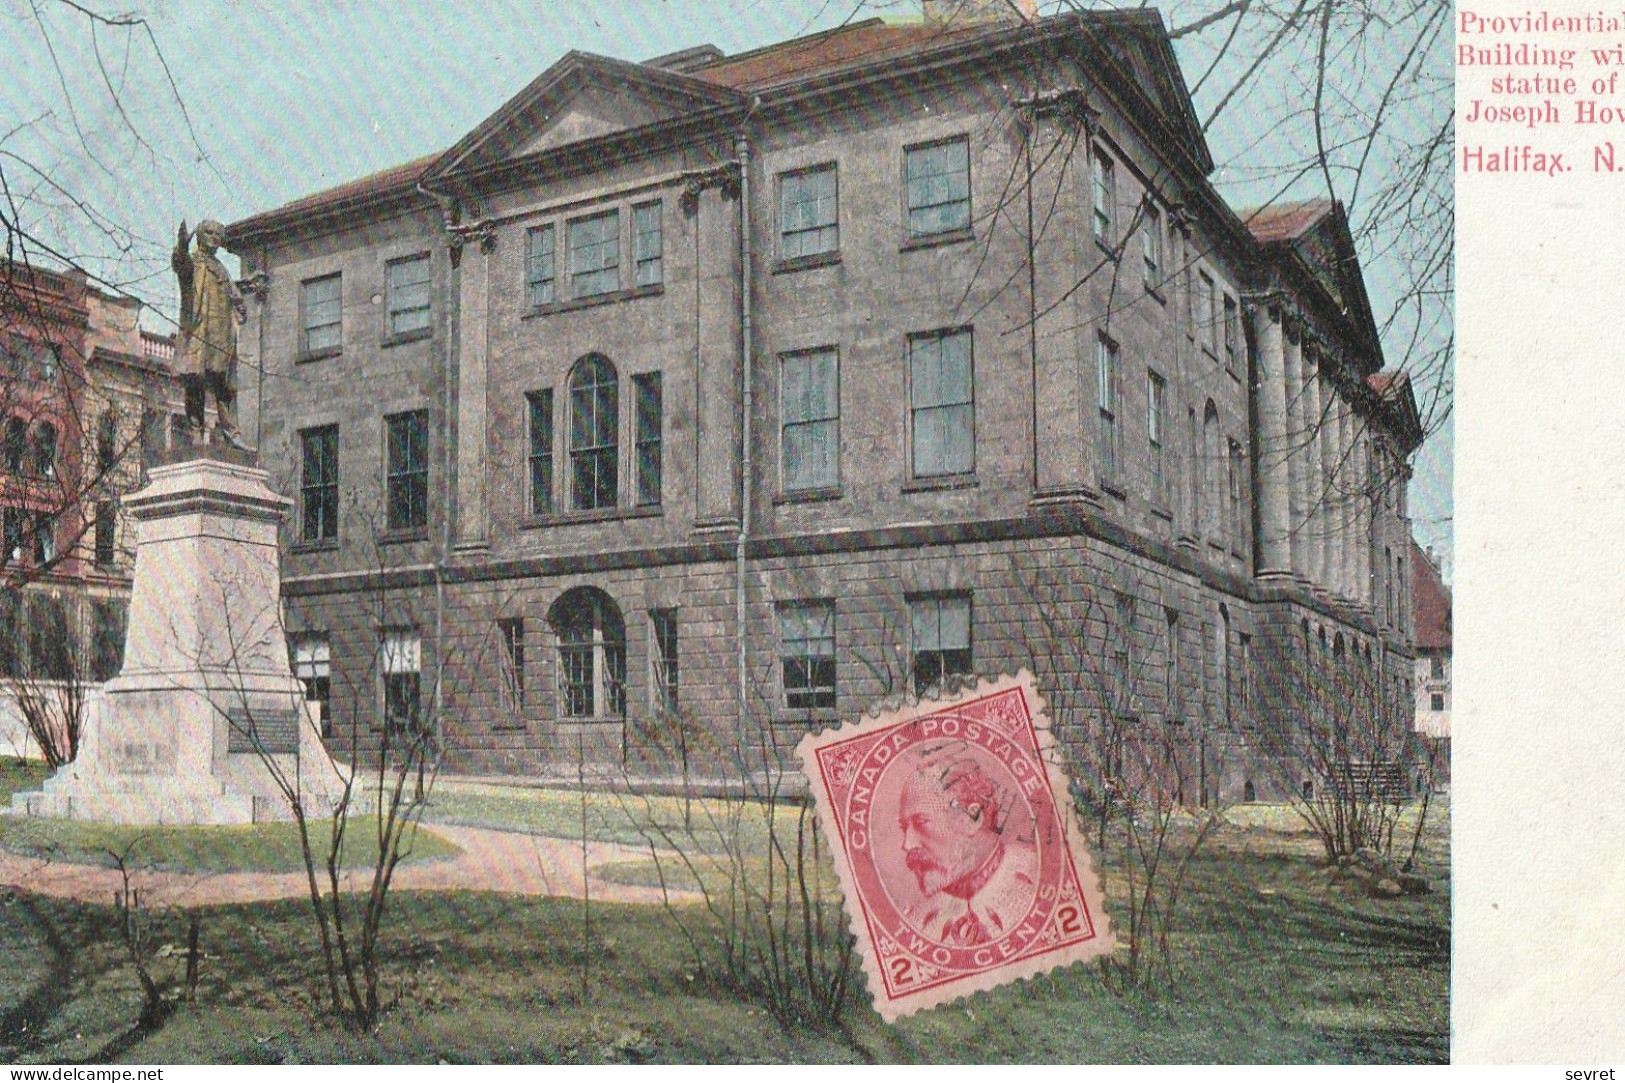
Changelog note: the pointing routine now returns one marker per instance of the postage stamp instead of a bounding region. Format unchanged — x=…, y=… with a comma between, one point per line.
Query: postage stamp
x=957, y=845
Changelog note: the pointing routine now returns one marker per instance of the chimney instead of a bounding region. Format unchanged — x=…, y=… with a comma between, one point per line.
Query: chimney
x=968, y=11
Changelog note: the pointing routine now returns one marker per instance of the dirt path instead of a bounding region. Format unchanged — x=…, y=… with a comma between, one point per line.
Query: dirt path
x=502, y=861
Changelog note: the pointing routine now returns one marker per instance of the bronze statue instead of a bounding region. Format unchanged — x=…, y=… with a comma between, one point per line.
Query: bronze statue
x=211, y=309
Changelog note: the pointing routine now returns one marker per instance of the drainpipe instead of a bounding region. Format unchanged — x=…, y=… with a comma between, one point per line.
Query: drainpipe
x=742, y=153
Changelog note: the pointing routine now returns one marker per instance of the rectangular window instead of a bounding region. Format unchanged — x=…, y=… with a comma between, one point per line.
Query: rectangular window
x=937, y=181
x=646, y=248
x=1245, y=662
x=319, y=483
x=1105, y=190
x=1237, y=472
x=1436, y=701
x=1151, y=246
x=943, y=400
x=152, y=437
x=511, y=633
x=1436, y=667
x=1171, y=693
x=1106, y=396
x=942, y=638
x=402, y=665
x=807, y=646
x=540, y=460
x=312, y=665
x=50, y=643
x=408, y=289
x=44, y=537
x=407, y=470
x=1232, y=331
x=1156, y=420
x=810, y=407
x=16, y=534
x=539, y=266
x=319, y=316
x=663, y=658
x=106, y=532
x=1206, y=330
x=107, y=639
x=1399, y=577
x=646, y=396
x=595, y=254
x=107, y=452
x=808, y=214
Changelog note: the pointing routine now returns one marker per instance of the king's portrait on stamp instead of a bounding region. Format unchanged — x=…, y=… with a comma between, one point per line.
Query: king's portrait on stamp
x=956, y=845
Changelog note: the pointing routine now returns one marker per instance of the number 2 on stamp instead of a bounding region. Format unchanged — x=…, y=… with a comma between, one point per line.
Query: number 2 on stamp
x=902, y=971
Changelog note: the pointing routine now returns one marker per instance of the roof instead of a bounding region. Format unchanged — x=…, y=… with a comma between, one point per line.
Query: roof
x=395, y=179
x=1280, y=223
x=1135, y=54
x=1430, y=603
x=852, y=45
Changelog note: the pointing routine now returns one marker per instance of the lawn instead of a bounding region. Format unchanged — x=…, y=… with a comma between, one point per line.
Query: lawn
x=265, y=847
x=1275, y=961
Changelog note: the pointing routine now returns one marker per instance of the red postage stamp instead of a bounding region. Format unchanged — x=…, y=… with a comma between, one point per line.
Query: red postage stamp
x=957, y=845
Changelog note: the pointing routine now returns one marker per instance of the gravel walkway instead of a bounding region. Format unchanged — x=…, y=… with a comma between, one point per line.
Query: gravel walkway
x=502, y=861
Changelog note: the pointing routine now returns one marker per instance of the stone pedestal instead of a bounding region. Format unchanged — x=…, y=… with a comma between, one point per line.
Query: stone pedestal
x=206, y=714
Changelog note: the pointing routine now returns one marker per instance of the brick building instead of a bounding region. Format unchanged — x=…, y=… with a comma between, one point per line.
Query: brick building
x=912, y=349
x=86, y=399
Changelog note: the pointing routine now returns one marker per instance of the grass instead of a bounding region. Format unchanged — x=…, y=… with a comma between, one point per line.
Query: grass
x=1277, y=962
x=697, y=823
x=263, y=847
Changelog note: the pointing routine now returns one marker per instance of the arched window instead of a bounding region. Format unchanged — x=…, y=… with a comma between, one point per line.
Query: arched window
x=1212, y=471
x=592, y=654
x=16, y=444
x=45, y=449
x=107, y=440
x=594, y=406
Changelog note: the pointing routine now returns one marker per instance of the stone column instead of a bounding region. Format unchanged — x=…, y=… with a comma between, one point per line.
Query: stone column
x=1272, y=477
x=1347, y=560
x=1363, y=494
x=472, y=356
x=1330, y=539
x=1296, y=431
x=1314, y=530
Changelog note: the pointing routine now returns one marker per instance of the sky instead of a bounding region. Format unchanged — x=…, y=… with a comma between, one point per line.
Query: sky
x=110, y=136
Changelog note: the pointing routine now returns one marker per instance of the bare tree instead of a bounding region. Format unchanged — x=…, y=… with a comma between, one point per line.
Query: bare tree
x=1344, y=748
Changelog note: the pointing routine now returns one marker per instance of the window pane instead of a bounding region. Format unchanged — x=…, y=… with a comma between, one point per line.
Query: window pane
x=808, y=213
x=937, y=180
x=541, y=451
x=408, y=470
x=646, y=246
x=647, y=436
x=943, y=411
x=595, y=254
x=409, y=295
x=594, y=401
x=321, y=312
x=539, y=270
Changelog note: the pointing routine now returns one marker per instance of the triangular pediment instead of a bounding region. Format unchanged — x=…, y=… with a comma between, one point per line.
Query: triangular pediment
x=580, y=99
x=1137, y=46
x=1326, y=250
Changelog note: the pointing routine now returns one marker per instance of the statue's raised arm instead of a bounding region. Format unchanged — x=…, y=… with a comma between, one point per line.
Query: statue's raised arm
x=181, y=261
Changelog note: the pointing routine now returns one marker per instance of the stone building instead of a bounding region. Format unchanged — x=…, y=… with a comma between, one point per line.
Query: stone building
x=1432, y=638
x=86, y=399
x=749, y=390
